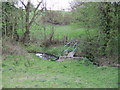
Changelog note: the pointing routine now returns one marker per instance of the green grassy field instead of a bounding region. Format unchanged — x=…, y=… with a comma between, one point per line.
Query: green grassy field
x=71, y=31
x=37, y=73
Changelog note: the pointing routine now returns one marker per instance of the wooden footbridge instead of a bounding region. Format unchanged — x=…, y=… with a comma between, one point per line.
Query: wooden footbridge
x=69, y=51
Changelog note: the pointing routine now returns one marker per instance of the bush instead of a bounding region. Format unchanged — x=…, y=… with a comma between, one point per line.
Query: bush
x=92, y=48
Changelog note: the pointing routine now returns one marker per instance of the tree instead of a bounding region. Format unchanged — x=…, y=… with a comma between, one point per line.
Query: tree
x=9, y=20
x=102, y=16
x=28, y=23
x=76, y=4
x=108, y=13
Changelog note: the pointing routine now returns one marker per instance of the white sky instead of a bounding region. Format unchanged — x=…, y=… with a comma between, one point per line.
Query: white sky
x=52, y=4
x=58, y=4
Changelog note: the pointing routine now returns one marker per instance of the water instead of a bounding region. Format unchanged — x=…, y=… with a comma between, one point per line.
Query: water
x=46, y=56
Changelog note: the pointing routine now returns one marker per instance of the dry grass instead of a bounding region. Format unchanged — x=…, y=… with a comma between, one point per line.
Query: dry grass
x=10, y=47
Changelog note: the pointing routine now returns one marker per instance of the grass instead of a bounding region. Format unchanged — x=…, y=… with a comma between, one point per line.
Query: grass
x=71, y=31
x=20, y=72
x=0, y=74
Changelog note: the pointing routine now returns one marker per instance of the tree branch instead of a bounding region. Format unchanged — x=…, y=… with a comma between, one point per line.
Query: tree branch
x=38, y=6
x=35, y=14
x=23, y=3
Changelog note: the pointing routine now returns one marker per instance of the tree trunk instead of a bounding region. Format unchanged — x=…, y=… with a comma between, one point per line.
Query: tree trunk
x=26, y=37
x=106, y=21
x=22, y=17
x=12, y=31
x=107, y=27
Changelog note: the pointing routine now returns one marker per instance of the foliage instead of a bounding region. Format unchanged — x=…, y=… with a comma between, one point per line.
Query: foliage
x=86, y=15
x=10, y=20
x=104, y=17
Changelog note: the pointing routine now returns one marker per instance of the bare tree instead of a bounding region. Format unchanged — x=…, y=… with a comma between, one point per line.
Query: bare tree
x=26, y=36
x=76, y=4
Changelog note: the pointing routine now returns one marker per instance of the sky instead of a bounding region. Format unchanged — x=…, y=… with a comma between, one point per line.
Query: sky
x=58, y=4
x=52, y=4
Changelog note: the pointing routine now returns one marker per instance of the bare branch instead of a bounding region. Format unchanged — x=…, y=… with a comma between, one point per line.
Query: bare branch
x=76, y=4
x=23, y=3
x=38, y=6
x=35, y=14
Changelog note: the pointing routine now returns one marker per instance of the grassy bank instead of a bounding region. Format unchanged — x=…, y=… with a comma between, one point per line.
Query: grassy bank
x=37, y=73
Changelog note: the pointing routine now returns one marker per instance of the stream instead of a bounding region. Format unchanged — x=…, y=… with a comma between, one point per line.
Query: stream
x=46, y=56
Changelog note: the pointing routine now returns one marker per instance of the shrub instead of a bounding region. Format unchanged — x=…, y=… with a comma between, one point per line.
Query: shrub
x=92, y=48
